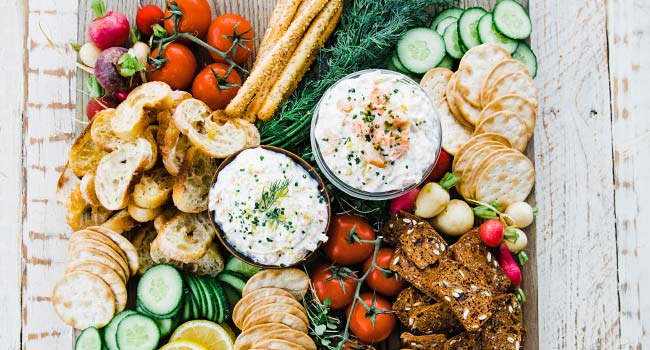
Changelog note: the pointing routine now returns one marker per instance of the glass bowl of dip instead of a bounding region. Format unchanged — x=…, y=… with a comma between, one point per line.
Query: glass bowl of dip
x=375, y=134
x=269, y=207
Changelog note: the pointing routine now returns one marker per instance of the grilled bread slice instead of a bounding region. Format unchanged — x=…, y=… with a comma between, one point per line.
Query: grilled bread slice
x=167, y=214
x=66, y=184
x=101, y=130
x=185, y=237
x=81, y=214
x=140, y=214
x=213, y=133
x=190, y=191
x=120, y=222
x=173, y=149
x=154, y=189
x=210, y=264
x=116, y=171
x=139, y=109
x=87, y=188
x=165, y=117
x=85, y=154
x=150, y=135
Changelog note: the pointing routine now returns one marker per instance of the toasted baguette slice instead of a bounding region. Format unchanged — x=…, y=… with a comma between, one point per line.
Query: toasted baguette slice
x=210, y=264
x=173, y=149
x=190, y=191
x=81, y=214
x=140, y=214
x=150, y=135
x=85, y=154
x=186, y=237
x=142, y=243
x=154, y=189
x=165, y=117
x=167, y=214
x=120, y=222
x=116, y=171
x=134, y=114
x=87, y=187
x=213, y=133
x=66, y=184
x=101, y=130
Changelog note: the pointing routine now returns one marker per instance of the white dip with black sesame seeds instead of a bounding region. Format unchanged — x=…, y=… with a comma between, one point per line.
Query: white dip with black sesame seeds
x=377, y=132
x=269, y=208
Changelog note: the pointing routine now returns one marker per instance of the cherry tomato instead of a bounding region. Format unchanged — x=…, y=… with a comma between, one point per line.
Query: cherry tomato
x=443, y=165
x=491, y=232
x=361, y=322
x=147, y=17
x=340, y=246
x=98, y=104
x=196, y=17
x=210, y=87
x=179, y=69
x=388, y=286
x=228, y=29
x=335, y=283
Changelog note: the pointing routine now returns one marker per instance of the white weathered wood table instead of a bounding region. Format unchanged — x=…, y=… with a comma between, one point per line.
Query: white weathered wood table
x=591, y=151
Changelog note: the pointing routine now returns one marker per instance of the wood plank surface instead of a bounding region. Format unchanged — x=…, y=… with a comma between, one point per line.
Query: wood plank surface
x=628, y=28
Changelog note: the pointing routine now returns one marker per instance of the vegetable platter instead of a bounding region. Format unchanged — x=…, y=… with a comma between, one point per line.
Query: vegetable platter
x=224, y=212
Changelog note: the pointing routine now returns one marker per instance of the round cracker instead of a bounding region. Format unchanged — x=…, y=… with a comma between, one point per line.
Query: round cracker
x=88, y=244
x=123, y=243
x=480, y=138
x=472, y=165
x=454, y=134
x=474, y=67
x=83, y=300
x=507, y=179
x=293, y=336
x=515, y=84
x=246, y=338
x=279, y=317
x=466, y=156
x=501, y=69
x=269, y=308
x=473, y=176
x=435, y=83
x=96, y=236
x=95, y=255
x=451, y=101
x=251, y=307
x=507, y=124
x=513, y=103
x=110, y=277
x=251, y=298
x=292, y=280
x=277, y=344
x=467, y=111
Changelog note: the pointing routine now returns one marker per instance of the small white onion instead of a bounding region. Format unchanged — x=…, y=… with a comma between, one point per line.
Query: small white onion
x=89, y=53
x=455, y=220
x=516, y=240
x=519, y=214
x=431, y=200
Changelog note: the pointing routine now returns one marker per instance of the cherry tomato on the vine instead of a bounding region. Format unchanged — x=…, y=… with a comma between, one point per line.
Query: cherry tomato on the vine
x=147, y=17
x=215, y=86
x=228, y=30
x=388, y=286
x=361, y=322
x=341, y=246
x=338, y=284
x=196, y=17
x=179, y=69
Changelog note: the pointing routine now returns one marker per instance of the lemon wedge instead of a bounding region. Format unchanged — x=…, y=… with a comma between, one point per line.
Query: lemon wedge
x=206, y=334
x=182, y=345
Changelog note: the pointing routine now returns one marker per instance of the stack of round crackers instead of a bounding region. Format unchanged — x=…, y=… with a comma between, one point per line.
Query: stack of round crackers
x=488, y=110
x=93, y=288
x=270, y=313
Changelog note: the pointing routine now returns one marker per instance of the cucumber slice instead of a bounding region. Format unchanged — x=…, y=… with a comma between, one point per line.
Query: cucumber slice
x=137, y=332
x=442, y=26
x=232, y=280
x=420, y=49
x=527, y=57
x=452, y=45
x=210, y=310
x=160, y=291
x=111, y=329
x=240, y=266
x=468, y=26
x=232, y=295
x=186, y=312
x=447, y=62
x=165, y=325
x=511, y=19
x=88, y=339
x=398, y=65
x=454, y=12
x=222, y=301
x=197, y=299
x=489, y=35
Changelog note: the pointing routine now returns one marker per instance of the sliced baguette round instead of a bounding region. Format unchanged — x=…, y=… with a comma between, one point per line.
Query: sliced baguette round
x=154, y=189
x=120, y=222
x=101, y=130
x=87, y=188
x=81, y=214
x=66, y=184
x=191, y=187
x=85, y=154
x=140, y=214
x=186, y=237
x=134, y=114
x=174, y=149
x=210, y=264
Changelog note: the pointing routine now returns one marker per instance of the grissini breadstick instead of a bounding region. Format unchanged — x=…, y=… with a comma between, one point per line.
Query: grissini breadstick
x=283, y=13
x=278, y=56
x=303, y=57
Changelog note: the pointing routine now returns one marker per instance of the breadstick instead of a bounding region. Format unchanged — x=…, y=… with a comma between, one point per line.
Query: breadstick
x=302, y=58
x=283, y=13
x=279, y=55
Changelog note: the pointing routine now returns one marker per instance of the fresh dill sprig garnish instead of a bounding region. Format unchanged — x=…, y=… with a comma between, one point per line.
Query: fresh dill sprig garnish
x=275, y=191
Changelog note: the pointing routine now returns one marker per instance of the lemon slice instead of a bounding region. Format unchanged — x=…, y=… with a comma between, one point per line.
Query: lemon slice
x=182, y=345
x=228, y=330
x=207, y=334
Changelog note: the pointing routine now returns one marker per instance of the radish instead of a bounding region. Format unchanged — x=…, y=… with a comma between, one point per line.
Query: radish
x=89, y=53
x=108, y=29
x=519, y=214
x=433, y=197
x=404, y=202
x=443, y=164
x=515, y=240
x=512, y=270
x=491, y=232
x=122, y=95
x=107, y=73
x=456, y=219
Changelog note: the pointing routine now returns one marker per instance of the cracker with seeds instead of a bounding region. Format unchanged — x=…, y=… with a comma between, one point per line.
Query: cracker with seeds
x=423, y=246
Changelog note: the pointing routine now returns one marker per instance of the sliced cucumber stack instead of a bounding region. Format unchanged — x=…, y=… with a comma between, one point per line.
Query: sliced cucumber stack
x=511, y=19
x=237, y=265
x=454, y=12
x=420, y=49
x=233, y=279
x=160, y=291
x=527, y=57
x=137, y=332
x=205, y=298
x=88, y=339
x=489, y=35
x=468, y=26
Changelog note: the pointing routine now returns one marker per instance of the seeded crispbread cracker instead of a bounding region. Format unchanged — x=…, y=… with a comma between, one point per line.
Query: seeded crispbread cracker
x=515, y=84
x=408, y=300
x=111, y=278
x=420, y=279
x=465, y=341
x=423, y=342
x=471, y=166
x=501, y=69
x=423, y=245
x=465, y=291
x=474, y=67
x=398, y=224
x=434, y=318
x=123, y=243
x=472, y=253
x=504, y=330
x=476, y=139
x=509, y=178
x=513, y=103
x=508, y=124
x=83, y=300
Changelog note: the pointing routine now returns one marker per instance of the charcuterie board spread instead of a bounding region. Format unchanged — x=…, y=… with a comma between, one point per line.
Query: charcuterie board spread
x=362, y=179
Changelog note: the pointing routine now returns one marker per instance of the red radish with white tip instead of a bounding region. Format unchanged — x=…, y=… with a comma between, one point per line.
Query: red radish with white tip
x=405, y=202
x=443, y=165
x=108, y=29
x=512, y=270
x=491, y=232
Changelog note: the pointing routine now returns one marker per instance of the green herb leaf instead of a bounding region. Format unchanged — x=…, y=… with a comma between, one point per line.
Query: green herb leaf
x=535, y=211
x=522, y=257
x=159, y=31
x=511, y=234
x=276, y=190
x=94, y=89
x=128, y=65
x=75, y=46
x=485, y=213
x=320, y=329
x=99, y=8
x=448, y=181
